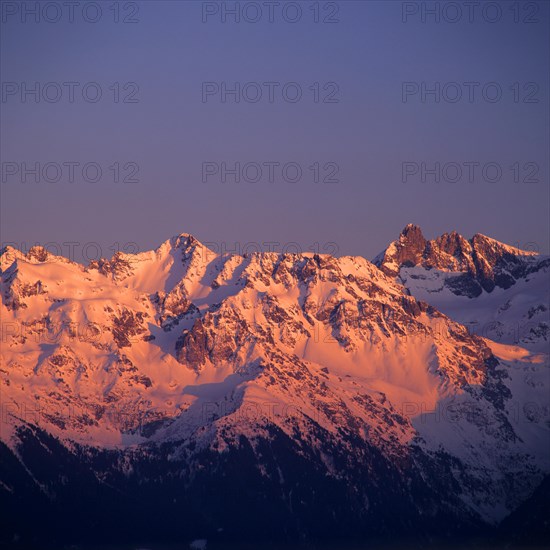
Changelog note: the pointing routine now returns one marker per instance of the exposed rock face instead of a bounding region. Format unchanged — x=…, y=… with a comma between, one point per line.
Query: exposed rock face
x=280, y=379
x=118, y=267
x=126, y=326
x=483, y=262
x=508, y=288
x=411, y=246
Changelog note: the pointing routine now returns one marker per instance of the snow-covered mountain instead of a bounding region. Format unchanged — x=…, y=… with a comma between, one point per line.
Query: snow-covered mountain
x=315, y=391
x=497, y=291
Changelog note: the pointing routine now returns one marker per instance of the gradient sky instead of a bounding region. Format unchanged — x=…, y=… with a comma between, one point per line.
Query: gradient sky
x=369, y=133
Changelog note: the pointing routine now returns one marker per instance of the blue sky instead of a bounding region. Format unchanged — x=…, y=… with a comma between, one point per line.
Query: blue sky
x=360, y=140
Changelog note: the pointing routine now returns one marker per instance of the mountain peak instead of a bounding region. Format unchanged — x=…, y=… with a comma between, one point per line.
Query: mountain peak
x=412, y=230
x=186, y=238
x=182, y=241
x=480, y=240
x=9, y=250
x=407, y=250
x=486, y=261
x=35, y=255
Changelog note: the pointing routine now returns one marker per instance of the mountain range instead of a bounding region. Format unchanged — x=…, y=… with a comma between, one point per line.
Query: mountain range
x=178, y=395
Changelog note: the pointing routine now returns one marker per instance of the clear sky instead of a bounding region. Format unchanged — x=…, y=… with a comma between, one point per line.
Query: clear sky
x=360, y=123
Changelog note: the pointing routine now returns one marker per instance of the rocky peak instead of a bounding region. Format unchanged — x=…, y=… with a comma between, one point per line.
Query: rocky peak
x=484, y=261
x=454, y=244
x=406, y=250
x=411, y=233
x=118, y=266
x=36, y=255
x=184, y=241
x=9, y=255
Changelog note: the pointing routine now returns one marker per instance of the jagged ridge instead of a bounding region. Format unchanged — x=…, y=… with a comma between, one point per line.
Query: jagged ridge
x=202, y=353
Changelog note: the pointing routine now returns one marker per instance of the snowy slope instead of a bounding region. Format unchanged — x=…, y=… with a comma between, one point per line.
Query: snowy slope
x=182, y=348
